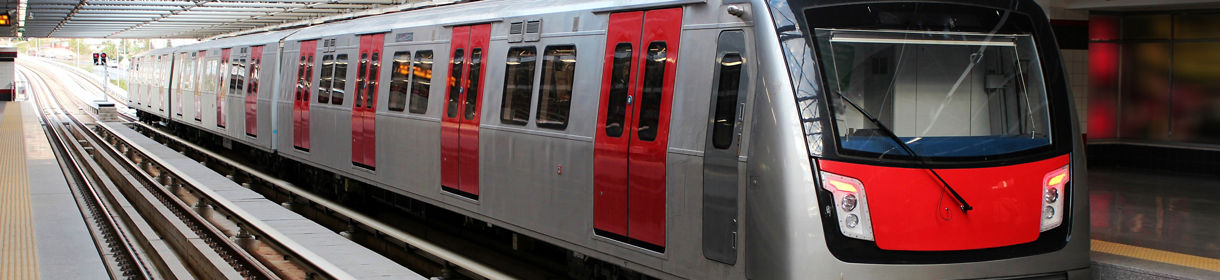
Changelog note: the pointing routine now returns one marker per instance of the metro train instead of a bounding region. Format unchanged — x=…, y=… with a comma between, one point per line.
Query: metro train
x=699, y=139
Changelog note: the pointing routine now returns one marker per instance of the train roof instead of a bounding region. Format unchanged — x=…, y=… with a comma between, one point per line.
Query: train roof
x=457, y=14
x=239, y=41
x=469, y=13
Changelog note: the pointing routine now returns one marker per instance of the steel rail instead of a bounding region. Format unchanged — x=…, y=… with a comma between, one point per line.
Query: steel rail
x=132, y=157
x=231, y=253
x=127, y=262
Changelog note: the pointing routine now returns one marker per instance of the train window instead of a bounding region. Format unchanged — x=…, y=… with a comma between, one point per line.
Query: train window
x=472, y=92
x=726, y=100
x=339, y=84
x=455, y=81
x=300, y=78
x=476, y=65
x=308, y=78
x=326, y=79
x=555, y=97
x=620, y=76
x=400, y=79
x=237, y=76
x=421, y=81
x=518, y=85
x=371, y=79
x=654, y=82
x=361, y=79
x=210, y=76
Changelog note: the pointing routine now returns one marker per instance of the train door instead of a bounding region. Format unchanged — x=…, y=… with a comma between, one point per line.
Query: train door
x=201, y=76
x=222, y=91
x=300, y=101
x=633, y=134
x=256, y=59
x=721, y=172
x=180, y=80
x=364, y=140
x=460, y=121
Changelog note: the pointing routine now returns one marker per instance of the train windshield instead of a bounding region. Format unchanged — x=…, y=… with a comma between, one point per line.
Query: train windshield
x=946, y=94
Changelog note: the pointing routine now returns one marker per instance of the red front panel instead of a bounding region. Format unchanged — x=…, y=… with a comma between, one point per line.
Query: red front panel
x=475, y=69
x=912, y=211
x=646, y=193
x=222, y=90
x=300, y=104
x=370, y=110
x=610, y=150
x=252, y=83
x=452, y=113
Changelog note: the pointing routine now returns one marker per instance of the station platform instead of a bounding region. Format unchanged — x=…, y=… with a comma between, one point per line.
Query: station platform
x=1154, y=224
x=42, y=232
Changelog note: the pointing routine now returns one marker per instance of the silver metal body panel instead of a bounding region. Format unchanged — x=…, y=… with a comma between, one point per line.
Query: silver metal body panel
x=539, y=182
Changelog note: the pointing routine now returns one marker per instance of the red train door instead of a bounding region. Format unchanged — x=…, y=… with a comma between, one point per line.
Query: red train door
x=633, y=126
x=179, y=79
x=300, y=100
x=364, y=140
x=460, y=121
x=200, y=72
x=256, y=59
x=222, y=90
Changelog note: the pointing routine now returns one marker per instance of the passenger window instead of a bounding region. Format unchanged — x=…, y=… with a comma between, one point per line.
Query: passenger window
x=518, y=85
x=558, y=72
x=400, y=79
x=361, y=79
x=339, y=86
x=300, y=78
x=472, y=92
x=455, y=81
x=326, y=78
x=726, y=101
x=308, y=78
x=236, y=70
x=654, y=84
x=421, y=81
x=620, y=76
x=371, y=80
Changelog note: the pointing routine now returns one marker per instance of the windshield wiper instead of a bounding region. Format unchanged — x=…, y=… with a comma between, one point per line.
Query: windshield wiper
x=924, y=163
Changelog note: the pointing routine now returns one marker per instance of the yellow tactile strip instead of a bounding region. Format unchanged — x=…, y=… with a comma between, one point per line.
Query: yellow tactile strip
x=18, y=254
x=1155, y=255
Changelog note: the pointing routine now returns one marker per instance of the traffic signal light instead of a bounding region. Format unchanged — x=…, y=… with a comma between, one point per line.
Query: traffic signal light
x=103, y=58
x=95, y=59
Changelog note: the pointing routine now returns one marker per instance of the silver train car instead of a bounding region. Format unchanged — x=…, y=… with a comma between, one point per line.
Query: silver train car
x=698, y=139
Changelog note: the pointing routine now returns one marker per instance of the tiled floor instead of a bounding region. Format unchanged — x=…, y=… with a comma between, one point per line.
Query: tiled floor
x=1175, y=216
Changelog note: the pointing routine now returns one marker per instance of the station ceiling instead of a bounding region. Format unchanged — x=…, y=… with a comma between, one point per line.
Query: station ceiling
x=180, y=19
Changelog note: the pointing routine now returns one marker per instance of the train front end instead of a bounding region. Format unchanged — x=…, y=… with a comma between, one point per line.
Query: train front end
x=908, y=140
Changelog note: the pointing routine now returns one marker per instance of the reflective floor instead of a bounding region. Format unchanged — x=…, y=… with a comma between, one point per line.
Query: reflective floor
x=1159, y=210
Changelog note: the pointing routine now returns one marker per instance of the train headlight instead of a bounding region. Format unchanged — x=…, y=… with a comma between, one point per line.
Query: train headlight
x=1053, y=185
x=852, y=205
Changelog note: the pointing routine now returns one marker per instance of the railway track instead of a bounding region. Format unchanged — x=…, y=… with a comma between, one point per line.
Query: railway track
x=409, y=247
x=151, y=223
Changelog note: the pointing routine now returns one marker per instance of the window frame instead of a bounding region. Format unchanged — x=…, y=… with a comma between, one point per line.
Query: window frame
x=395, y=83
x=417, y=81
x=340, y=60
x=528, y=89
x=543, y=88
x=326, y=78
